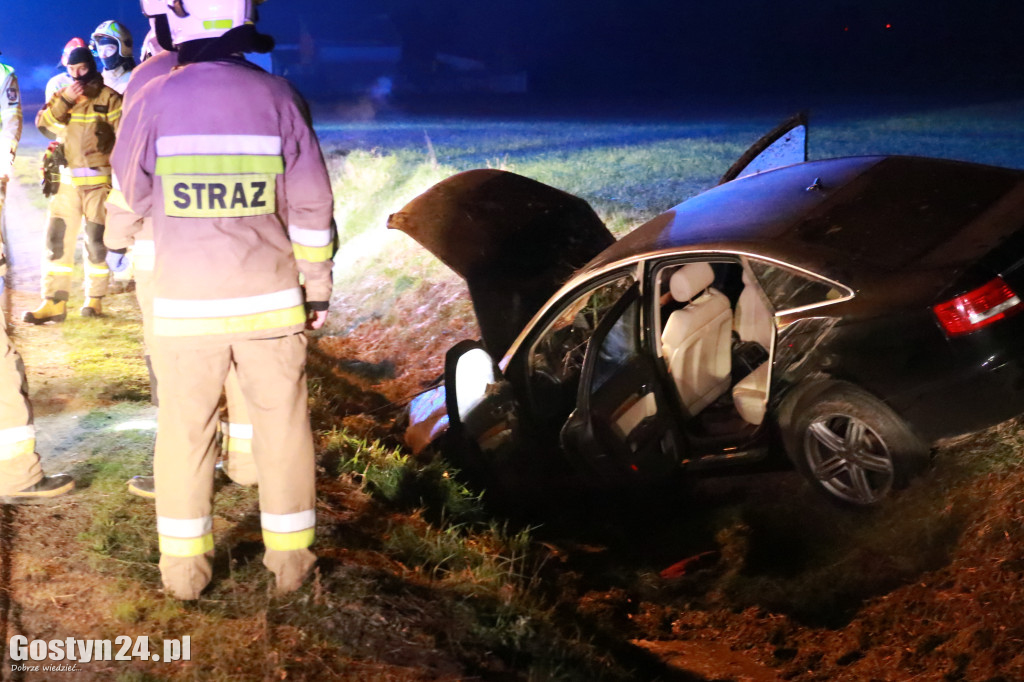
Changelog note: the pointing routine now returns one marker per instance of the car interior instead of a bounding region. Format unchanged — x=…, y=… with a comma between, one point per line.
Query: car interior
x=716, y=336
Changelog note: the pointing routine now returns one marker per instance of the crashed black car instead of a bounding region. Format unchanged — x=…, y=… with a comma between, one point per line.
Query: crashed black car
x=852, y=311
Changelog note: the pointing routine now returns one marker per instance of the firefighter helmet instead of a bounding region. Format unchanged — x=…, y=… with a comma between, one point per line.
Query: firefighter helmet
x=115, y=33
x=71, y=45
x=197, y=19
x=153, y=8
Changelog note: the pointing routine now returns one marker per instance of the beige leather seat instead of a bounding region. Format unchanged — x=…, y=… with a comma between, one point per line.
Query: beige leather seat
x=753, y=321
x=696, y=342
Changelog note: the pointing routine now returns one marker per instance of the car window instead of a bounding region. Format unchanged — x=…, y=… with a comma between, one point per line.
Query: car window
x=560, y=349
x=789, y=289
x=619, y=347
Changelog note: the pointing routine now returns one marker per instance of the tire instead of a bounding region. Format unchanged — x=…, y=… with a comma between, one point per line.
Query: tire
x=852, y=447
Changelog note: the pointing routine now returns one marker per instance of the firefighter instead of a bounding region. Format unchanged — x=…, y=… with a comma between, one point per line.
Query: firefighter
x=10, y=125
x=125, y=230
x=54, y=167
x=222, y=156
x=85, y=115
x=111, y=45
x=21, y=476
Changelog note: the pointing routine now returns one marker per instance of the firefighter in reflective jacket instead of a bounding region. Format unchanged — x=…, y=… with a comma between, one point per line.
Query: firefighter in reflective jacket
x=21, y=476
x=86, y=115
x=241, y=206
x=10, y=125
x=126, y=230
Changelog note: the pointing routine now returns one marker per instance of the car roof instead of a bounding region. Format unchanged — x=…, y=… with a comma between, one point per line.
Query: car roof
x=885, y=212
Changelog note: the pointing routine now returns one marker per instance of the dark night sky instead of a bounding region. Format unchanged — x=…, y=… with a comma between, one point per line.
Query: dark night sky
x=638, y=47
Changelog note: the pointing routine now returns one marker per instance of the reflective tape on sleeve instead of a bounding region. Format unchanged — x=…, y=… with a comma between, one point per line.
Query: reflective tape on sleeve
x=288, y=523
x=285, y=542
x=313, y=254
x=301, y=235
x=186, y=547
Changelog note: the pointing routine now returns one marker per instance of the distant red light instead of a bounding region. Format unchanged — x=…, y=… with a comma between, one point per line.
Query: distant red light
x=888, y=25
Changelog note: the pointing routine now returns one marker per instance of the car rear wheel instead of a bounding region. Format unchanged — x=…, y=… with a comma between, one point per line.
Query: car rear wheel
x=853, y=448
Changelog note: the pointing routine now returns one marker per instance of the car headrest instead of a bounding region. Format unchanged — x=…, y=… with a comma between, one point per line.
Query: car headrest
x=690, y=280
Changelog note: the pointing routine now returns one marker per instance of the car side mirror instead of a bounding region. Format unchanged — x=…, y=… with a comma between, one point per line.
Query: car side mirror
x=468, y=371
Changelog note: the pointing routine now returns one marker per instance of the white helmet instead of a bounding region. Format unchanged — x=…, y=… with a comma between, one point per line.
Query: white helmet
x=197, y=19
x=117, y=33
x=153, y=8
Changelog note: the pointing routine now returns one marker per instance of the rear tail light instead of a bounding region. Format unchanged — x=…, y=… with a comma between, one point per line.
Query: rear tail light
x=981, y=307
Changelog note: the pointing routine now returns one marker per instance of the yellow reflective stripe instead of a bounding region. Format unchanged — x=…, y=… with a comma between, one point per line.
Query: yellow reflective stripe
x=96, y=270
x=90, y=181
x=54, y=267
x=164, y=326
x=218, y=164
x=185, y=547
x=17, y=441
x=242, y=446
x=218, y=23
x=25, y=447
x=92, y=118
x=49, y=119
x=114, y=115
x=313, y=254
x=116, y=198
x=17, y=434
x=285, y=542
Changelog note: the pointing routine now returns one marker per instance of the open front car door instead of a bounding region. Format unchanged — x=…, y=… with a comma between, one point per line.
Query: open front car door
x=622, y=427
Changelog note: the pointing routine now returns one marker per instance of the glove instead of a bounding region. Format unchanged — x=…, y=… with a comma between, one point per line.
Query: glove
x=105, y=137
x=3, y=283
x=117, y=262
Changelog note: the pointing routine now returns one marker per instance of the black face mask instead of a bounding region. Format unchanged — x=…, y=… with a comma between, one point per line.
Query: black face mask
x=86, y=77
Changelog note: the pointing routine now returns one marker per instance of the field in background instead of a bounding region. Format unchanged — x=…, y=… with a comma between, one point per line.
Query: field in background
x=419, y=578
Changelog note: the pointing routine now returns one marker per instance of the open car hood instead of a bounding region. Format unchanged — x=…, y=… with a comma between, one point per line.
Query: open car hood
x=514, y=240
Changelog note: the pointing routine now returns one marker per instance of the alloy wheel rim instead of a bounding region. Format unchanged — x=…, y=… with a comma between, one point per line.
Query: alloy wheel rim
x=849, y=459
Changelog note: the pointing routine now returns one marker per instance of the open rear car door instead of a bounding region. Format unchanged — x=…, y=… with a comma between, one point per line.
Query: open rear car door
x=783, y=146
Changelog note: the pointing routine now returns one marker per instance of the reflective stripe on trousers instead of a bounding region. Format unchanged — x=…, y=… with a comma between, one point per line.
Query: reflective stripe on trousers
x=185, y=537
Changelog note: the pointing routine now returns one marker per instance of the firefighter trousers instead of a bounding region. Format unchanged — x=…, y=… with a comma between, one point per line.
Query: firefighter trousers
x=66, y=211
x=236, y=430
x=272, y=377
x=19, y=463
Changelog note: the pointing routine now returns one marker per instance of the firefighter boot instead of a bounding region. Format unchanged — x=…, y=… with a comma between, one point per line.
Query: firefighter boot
x=93, y=307
x=47, y=488
x=49, y=311
x=143, y=486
